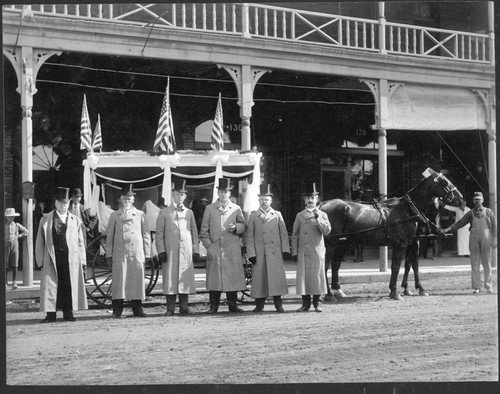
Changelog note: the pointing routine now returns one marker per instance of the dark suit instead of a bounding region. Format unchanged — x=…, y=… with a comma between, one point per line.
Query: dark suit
x=89, y=221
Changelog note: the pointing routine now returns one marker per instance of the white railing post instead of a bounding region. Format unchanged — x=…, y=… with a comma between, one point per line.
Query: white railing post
x=381, y=29
x=491, y=32
x=245, y=20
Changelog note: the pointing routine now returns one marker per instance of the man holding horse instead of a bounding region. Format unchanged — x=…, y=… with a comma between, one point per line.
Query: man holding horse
x=308, y=249
x=482, y=238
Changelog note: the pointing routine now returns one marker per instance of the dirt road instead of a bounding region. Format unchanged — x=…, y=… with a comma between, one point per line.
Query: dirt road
x=451, y=335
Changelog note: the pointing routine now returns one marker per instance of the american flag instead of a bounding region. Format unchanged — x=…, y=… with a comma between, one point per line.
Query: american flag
x=85, y=131
x=97, y=140
x=165, y=139
x=217, y=137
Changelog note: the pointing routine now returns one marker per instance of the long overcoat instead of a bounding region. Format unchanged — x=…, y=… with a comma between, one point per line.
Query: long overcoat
x=224, y=258
x=45, y=257
x=177, y=236
x=267, y=240
x=309, y=245
x=128, y=243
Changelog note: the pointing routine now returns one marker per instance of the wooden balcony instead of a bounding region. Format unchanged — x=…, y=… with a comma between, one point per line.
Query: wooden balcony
x=270, y=23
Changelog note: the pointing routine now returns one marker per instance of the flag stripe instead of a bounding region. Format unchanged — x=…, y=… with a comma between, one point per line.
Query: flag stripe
x=165, y=138
x=217, y=137
x=97, y=140
x=85, y=131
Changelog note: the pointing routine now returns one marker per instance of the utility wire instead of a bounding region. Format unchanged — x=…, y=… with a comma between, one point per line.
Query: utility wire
x=205, y=97
x=203, y=79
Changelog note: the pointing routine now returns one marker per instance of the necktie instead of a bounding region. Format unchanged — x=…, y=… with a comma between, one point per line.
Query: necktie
x=180, y=208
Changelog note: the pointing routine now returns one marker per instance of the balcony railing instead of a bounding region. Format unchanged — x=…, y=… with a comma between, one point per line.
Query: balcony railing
x=259, y=21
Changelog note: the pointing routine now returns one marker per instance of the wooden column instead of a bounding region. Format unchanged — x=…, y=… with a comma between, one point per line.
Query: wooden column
x=27, y=91
x=491, y=32
x=26, y=62
x=381, y=27
x=245, y=78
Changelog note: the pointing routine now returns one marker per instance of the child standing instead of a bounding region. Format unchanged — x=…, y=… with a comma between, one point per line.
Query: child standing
x=13, y=231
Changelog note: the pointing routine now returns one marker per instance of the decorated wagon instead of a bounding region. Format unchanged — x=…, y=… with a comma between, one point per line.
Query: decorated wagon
x=151, y=175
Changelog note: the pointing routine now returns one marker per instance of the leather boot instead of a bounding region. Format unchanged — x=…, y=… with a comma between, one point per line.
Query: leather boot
x=214, y=297
x=68, y=316
x=306, y=303
x=137, y=308
x=50, y=318
x=317, y=303
x=259, y=304
x=184, y=305
x=117, y=309
x=278, y=304
x=170, y=305
x=231, y=302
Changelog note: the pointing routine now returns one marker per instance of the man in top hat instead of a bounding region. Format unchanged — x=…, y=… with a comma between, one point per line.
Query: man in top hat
x=177, y=242
x=267, y=246
x=482, y=238
x=60, y=251
x=13, y=231
x=308, y=249
x=77, y=209
x=128, y=245
x=222, y=225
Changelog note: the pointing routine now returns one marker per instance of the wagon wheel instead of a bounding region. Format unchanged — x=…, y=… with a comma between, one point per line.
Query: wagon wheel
x=151, y=273
x=99, y=273
x=245, y=294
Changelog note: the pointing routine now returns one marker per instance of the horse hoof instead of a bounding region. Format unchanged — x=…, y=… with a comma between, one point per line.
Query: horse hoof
x=408, y=292
x=396, y=297
x=423, y=293
x=338, y=293
x=329, y=297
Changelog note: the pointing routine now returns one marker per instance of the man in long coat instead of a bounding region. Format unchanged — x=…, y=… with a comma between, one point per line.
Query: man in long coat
x=177, y=242
x=128, y=245
x=308, y=249
x=60, y=251
x=222, y=225
x=267, y=246
x=462, y=233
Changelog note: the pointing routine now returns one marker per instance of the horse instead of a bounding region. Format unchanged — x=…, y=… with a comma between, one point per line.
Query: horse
x=391, y=222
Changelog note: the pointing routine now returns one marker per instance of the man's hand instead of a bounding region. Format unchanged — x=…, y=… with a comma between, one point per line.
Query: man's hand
x=253, y=260
x=295, y=258
x=286, y=256
x=162, y=257
x=447, y=230
x=232, y=228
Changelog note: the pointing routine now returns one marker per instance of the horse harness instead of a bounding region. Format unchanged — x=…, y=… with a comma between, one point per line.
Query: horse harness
x=415, y=215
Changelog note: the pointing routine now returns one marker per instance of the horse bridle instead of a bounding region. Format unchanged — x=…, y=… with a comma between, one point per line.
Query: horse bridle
x=449, y=187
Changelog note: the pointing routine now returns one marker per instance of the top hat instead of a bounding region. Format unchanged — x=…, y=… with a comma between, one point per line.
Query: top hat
x=10, y=212
x=179, y=186
x=224, y=184
x=76, y=192
x=127, y=191
x=265, y=190
x=310, y=190
x=62, y=194
x=478, y=195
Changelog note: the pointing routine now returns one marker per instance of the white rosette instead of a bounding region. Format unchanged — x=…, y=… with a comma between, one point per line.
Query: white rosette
x=166, y=163
x=89, y=164
x=251, y=202
x=218, y=159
